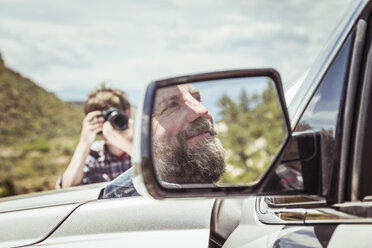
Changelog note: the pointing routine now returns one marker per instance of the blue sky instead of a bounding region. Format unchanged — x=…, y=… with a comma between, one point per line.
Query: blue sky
x=69, y=47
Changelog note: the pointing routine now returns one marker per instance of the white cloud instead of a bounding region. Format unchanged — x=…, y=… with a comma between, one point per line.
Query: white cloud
x=78, y=44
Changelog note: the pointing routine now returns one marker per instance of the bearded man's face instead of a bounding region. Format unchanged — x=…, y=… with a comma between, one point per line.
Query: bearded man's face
x=186, y=148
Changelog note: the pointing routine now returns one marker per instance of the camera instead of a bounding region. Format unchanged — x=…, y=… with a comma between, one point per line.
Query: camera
x=118, y=119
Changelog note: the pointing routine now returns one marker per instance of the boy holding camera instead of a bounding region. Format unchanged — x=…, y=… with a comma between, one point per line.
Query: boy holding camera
x=107, y=115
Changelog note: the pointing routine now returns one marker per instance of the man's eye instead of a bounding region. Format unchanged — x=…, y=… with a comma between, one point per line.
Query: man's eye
x=170, y=106
x=197, y=97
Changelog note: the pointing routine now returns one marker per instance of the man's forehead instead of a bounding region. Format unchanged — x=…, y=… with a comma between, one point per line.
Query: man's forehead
x=174, y=91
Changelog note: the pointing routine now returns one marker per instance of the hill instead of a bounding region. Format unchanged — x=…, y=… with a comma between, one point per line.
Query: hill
x=38, y=132
x=28, y=112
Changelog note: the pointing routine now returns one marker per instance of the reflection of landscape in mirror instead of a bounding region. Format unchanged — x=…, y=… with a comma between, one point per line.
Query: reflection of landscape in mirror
x=247, y=120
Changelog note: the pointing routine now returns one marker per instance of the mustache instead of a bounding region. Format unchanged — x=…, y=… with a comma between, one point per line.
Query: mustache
x=199, y=126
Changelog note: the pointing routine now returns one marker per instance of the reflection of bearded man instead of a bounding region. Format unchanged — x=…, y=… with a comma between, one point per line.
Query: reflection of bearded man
x=182, y=164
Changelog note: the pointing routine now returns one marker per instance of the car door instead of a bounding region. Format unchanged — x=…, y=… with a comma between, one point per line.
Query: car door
x=337, y=210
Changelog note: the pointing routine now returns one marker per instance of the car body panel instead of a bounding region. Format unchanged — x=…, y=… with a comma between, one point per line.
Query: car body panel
x=140, y=239
x=51, y=198
x=136, y=222
x=351, y=236
x=29, y=226
x=31, y=218
x=251, y=232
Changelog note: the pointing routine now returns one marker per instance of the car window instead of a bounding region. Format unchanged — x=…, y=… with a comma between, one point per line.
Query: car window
x=322, y=113
x=320, y=121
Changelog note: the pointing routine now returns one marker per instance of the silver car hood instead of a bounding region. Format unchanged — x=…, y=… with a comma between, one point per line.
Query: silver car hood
x=51, y=198
x=31, y=218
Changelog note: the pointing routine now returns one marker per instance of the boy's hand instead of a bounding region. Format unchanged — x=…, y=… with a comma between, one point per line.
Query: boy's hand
x=120, y=139
x=92, y=124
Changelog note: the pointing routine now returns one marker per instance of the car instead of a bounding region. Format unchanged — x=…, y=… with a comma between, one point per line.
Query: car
x=314, y=190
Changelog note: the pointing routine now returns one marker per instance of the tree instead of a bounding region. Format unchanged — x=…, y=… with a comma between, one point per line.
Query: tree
x=253, y=134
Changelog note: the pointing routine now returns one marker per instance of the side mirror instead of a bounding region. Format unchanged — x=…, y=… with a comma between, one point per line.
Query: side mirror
x=213, y=134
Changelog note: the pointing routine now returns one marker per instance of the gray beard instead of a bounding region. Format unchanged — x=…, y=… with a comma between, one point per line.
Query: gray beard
x=181, y=164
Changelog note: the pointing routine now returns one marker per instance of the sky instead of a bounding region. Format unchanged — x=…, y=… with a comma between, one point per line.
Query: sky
x=70, y=47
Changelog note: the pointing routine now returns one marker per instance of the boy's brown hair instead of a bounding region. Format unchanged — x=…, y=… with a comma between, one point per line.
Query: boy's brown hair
x=104, y=98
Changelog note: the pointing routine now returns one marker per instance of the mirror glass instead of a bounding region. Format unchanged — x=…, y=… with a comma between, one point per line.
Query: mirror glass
x=223, y=132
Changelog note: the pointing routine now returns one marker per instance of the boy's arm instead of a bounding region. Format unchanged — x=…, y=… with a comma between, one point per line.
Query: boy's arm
x=92, y=124
x=74, y=172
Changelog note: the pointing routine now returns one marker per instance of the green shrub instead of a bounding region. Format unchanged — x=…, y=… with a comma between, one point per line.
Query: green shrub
x=41, y=145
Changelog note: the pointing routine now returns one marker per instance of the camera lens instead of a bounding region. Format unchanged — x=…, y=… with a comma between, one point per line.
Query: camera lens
x=119, y=121
x=117, y=118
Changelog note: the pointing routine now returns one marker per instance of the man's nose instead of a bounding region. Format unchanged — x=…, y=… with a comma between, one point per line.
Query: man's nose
x=196, y=109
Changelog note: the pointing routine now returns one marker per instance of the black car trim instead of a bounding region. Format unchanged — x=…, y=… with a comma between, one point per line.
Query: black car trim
x=347, y=120
x=361, y=163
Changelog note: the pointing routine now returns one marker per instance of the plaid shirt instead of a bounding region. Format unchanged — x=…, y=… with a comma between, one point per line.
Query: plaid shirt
x=102, y=166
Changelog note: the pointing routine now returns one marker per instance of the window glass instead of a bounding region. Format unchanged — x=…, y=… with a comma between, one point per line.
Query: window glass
x=323, y=110
x=314, y=150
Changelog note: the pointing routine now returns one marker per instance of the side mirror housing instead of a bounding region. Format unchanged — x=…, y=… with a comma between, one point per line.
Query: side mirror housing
x=211, y=135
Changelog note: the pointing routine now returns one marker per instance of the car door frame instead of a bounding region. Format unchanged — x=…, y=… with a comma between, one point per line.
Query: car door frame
x=352, y=126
